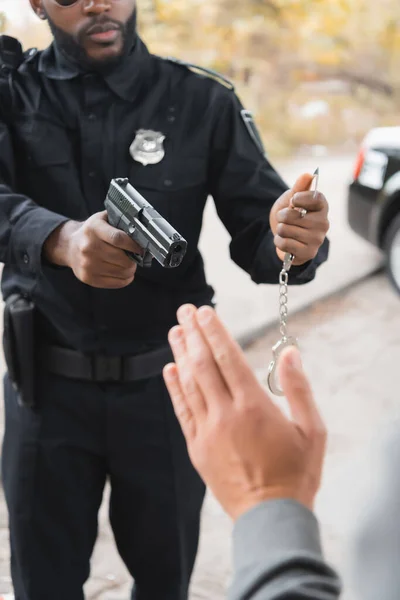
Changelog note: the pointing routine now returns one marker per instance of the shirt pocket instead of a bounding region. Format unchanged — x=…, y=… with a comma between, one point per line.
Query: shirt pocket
x=171, y=175
x=45, y=166
x=176, y=188
x=45, y=141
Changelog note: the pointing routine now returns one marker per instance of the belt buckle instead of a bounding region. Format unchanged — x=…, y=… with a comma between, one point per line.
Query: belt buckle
x=107, y=368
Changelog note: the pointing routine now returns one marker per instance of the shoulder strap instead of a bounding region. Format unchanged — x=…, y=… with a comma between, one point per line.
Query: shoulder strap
x=11, y=57
x=208, y=72
x=11, y=54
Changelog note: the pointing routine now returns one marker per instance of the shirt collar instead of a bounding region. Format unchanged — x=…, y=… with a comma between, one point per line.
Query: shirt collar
x=122, y=80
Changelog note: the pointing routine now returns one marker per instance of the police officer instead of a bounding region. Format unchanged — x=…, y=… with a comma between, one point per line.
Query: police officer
x=93, y=106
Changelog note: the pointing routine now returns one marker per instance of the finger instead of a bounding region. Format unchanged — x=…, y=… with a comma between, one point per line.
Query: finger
x=310, y=201
x=299, y=249
x=96, y=249
x=116, y=256
x=109, y=283
x=108, y=269
x=311, y=219
x=226, y=351
x=298, y=391
x=114, y=270
x=203, y=365
x=292, y=217
x=113, y=236
x=302, y=184
x=193, y=395
x=181, y=407
x=311, y=237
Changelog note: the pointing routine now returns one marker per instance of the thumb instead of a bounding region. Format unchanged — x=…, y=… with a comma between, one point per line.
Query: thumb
x=112, y=235
x=297, y=390
x=303, y=183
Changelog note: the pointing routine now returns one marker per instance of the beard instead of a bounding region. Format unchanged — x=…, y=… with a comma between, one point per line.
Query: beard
x=72, y=46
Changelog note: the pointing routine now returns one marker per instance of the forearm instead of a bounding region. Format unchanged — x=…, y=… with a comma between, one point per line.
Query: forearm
x=56, y=249
x=24, y=227
x=278, y=555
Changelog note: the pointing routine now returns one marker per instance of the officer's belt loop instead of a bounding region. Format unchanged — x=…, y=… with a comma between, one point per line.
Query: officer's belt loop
x=100, y=368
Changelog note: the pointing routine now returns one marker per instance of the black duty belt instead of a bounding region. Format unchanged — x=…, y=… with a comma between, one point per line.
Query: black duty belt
x=98, y=368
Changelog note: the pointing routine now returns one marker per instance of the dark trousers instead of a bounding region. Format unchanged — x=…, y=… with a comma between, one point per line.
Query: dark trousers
x=55, y=463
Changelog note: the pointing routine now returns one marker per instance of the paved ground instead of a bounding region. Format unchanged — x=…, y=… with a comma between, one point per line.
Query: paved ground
x=350, y=257
x=350, y=349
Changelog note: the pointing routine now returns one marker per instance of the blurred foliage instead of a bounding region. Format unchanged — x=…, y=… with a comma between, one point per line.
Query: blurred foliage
x=286, y=57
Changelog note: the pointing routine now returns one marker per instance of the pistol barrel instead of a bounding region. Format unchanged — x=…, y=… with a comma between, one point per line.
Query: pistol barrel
x=129, y=210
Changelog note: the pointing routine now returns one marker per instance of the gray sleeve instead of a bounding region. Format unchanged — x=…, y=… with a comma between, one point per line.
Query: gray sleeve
x=278, y=556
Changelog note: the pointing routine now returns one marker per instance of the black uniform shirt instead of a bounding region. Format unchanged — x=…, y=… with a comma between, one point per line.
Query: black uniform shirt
x=66, y=134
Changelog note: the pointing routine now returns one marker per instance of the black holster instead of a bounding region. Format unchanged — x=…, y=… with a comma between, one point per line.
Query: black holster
x=19, y=347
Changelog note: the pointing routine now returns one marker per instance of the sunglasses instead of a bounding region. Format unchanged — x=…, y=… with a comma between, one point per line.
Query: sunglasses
x=68, y=3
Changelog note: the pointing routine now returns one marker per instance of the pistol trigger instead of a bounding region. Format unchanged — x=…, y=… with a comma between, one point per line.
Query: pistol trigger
x=144, y=261
x=131, y=255
x=147, y=259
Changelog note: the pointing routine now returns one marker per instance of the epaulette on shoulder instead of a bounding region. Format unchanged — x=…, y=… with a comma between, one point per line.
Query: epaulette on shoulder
x=203, y=70
x=30, y=54
x=11, y=54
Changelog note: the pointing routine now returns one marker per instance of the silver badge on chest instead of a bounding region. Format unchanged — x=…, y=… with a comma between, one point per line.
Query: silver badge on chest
x=148, y=147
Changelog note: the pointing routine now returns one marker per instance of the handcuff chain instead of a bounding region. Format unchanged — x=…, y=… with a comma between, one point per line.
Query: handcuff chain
x=283, y=297
x=285, y=340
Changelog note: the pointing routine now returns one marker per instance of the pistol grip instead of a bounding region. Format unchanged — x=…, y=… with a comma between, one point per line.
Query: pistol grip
x=144, y=261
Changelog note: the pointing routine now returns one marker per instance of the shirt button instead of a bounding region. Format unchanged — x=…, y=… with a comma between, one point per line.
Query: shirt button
x=92, y=117
x=171, y=119
x=26, y=258
x=168, y=183
x=92, y=174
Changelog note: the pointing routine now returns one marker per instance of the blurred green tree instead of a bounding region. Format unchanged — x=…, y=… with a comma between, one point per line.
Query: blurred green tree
x=283, y=54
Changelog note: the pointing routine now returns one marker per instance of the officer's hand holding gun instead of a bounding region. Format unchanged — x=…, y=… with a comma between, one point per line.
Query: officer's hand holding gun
x=105, y=250
x=95, y=251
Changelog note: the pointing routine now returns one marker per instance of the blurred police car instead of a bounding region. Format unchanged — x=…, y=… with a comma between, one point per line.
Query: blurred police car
x=374, y=195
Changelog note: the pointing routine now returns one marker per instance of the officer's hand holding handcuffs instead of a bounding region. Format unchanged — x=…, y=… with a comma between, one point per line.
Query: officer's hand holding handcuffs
x=300, y=232
x=95, y=251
